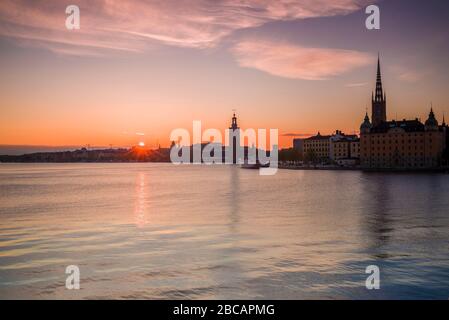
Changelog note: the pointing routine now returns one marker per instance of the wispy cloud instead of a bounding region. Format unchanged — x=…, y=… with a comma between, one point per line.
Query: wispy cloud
x=410, y=76
x=297, y=62
x=134, y=25
x=355, y=85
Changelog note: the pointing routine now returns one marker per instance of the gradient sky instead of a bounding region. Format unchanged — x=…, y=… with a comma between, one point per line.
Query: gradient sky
x=152, y=66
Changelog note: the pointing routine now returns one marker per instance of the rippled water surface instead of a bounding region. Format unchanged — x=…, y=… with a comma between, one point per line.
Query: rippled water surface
x=165, y=231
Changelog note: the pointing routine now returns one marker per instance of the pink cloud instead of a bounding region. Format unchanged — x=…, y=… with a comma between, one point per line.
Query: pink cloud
x=296, y=62
x=355, y=85
x=134, y=25
x=410, y=76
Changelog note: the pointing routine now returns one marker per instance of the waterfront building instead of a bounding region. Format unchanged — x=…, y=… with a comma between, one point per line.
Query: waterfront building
x=330, y=148
x=298, y=145
x=316, y=148
x=405, y=144
x=355, y=148
x=343, y=146
x=445, y=128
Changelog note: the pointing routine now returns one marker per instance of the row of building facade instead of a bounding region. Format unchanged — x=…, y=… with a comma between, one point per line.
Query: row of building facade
x=337, y=148
x=383, y=144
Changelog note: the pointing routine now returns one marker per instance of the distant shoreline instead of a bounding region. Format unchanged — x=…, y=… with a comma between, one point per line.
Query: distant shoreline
x=373, y=170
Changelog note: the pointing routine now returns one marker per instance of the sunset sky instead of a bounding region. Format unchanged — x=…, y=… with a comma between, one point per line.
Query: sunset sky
x=149, y=67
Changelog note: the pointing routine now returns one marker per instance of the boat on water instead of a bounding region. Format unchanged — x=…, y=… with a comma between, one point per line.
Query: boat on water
x=257, y=165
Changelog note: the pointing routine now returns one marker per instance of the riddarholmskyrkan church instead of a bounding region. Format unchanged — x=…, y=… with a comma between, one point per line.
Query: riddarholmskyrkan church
x=404, y=144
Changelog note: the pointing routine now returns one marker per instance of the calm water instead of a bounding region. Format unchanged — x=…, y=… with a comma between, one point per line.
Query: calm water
x=165, y=231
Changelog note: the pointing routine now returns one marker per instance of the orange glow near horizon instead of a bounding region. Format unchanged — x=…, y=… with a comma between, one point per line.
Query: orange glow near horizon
x=147, y=68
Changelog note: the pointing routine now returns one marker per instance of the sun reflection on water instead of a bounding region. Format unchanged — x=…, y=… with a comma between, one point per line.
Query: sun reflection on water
x=140, y=213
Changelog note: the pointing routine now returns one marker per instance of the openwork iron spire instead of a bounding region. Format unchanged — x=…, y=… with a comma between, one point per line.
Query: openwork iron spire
x=379, y=96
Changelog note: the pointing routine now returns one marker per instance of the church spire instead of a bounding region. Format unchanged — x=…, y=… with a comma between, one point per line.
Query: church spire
x=379, y=104
x=379, y=91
